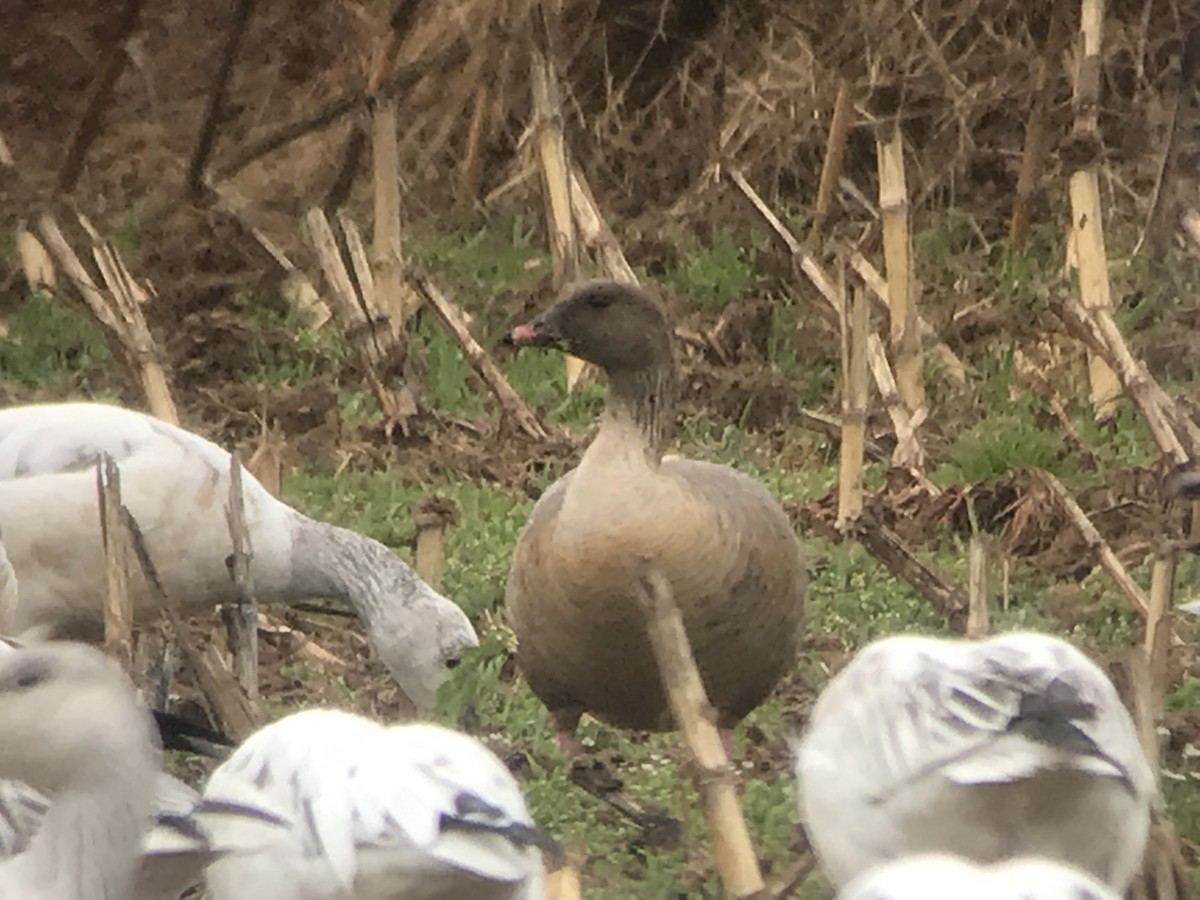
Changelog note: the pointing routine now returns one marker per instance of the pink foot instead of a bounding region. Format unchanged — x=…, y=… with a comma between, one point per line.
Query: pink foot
x=568, y=745
x=727, y=742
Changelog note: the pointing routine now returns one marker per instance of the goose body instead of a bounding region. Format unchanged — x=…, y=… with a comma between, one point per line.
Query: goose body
x=937, y=877
x=411, y=811
x=988, y=750
x=176, y=485
x=724, y=543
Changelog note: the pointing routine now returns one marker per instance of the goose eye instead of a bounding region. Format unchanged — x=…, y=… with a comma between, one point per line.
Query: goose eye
x=453, y=662
x=31, y=673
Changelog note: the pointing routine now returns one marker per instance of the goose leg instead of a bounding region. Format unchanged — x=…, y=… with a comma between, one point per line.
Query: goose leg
x=727, y=741
x=566, y=720
x=567, y=744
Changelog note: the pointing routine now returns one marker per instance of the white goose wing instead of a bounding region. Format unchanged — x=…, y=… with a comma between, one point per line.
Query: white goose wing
x=21, y=812
x=174, y=849
x=473, y=815
x=977, y=712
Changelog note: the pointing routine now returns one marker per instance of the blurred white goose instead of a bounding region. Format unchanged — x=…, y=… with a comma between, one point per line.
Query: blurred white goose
x=176, y=485
x=171, y=849
x=939, y=877
x=988, y=750
x=415, y=811
x=74, y=732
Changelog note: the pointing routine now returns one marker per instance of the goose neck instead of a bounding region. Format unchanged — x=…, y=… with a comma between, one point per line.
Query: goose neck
x=335, y=563
x=89, y=842
x=643, y=399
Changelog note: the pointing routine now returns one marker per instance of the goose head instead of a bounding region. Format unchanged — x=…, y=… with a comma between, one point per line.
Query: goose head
x=613, y=325
x=420, y=652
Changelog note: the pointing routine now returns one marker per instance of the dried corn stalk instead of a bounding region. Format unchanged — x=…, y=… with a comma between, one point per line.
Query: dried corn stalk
x=732, y=848
x=1176, y=435
x=593, y=230
x=35, y=261
x=1033, y=154
x=909, y=452
x=556, y=176
x=433, y=516
x=118, y=608
x=452, y=319
x=879, y=290
x=855, y=330
x=897, y=254
x=1164, y=874
x=241, y=616
x=1083, y=155
x=978, y=620
x=370, y=332
x=835, y=149
x=394, y=297
x=118, y=309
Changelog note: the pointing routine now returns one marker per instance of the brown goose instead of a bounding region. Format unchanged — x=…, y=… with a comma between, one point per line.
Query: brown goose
x=721, y=539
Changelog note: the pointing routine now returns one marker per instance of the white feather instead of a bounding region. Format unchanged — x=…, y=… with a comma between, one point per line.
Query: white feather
x=176, y=485
x=986, y=749
x=938, y=877
x=370, y=809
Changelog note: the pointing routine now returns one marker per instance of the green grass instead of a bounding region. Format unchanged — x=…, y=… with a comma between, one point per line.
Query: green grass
x=51, y=344
x=978, y=434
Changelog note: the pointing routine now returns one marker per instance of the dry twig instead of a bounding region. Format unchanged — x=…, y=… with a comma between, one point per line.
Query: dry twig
x=1033, y=154
x=1176, y=435
x=216, y=97
x=236, y=714
x=1095, y=541
x=99, y=99
x=885, y=545
x=453, y=321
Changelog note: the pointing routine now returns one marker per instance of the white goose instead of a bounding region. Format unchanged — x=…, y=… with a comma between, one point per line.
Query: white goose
x=415, y=811
x=988, y=750
x=176, y=485
x=173, y=850
x=938, y=877
x=74, y=732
